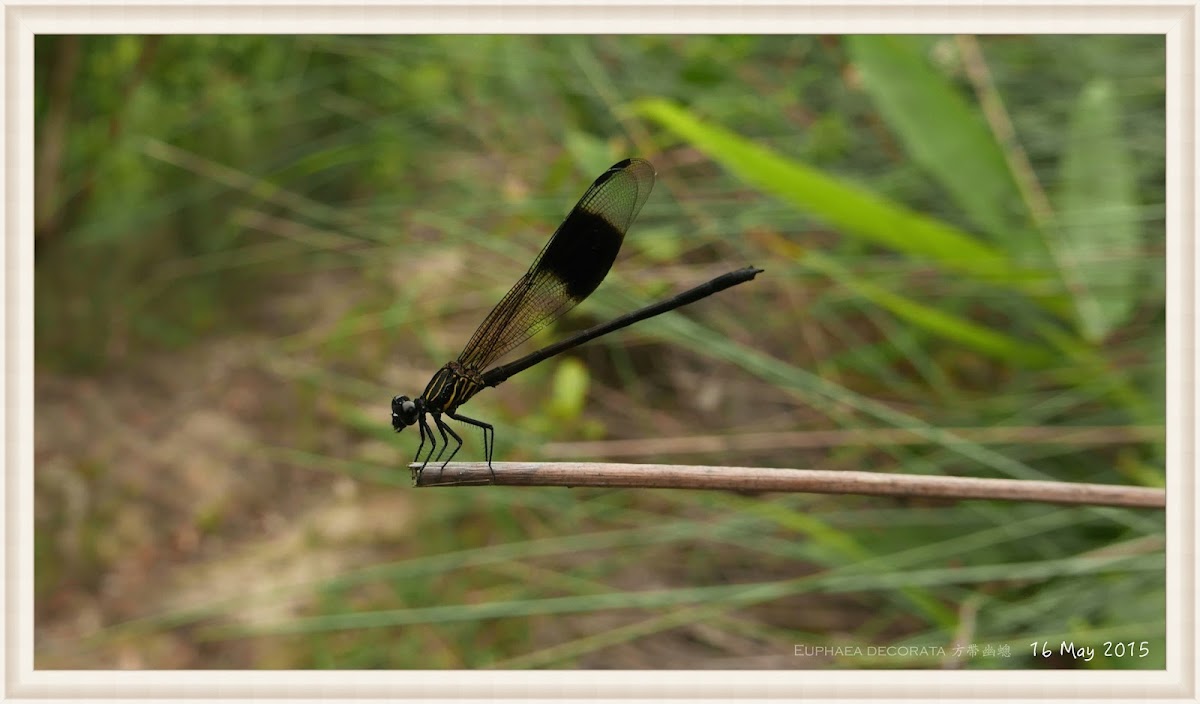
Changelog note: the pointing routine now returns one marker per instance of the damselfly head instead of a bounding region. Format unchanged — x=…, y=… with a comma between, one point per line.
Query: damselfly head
x=404, y=412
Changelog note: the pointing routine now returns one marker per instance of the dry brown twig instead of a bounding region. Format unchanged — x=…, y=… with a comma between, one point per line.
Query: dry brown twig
x=673, y=476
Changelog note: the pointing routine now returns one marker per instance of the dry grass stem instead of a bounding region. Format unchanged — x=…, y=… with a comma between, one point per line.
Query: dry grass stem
x=672, y=476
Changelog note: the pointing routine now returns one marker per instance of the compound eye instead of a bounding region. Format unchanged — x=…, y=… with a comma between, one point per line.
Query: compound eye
x=404, y=412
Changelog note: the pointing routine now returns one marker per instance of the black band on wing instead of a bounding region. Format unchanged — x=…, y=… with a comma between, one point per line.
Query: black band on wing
x=571, y=265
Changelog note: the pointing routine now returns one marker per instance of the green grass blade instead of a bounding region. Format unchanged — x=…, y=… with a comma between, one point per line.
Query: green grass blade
x=1097, y=214
x=853, y=209
x=939, y=322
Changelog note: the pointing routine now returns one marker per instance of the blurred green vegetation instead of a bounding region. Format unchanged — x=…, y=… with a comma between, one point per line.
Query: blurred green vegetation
x=960, y=235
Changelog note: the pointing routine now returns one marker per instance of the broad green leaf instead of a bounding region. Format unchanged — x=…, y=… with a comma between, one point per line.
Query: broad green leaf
x=948, y=137
x=1098, y=234
x=851, y=208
